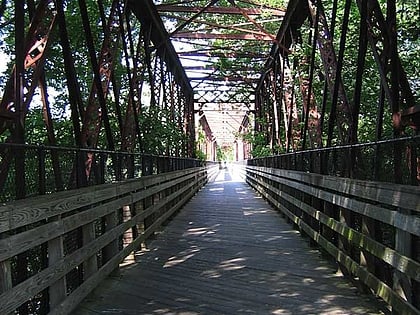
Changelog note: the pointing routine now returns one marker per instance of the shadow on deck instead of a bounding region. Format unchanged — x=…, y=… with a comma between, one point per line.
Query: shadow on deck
x=228, y=252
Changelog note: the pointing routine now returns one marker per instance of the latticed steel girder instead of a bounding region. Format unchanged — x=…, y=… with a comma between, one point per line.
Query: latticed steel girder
x=382, y=38
x=297, y=116
x=206, y=64
x=36, y=42
x=150, y=53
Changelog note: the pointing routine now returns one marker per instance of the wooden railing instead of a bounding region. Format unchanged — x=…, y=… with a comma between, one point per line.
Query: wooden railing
x=371, y=229
x=106, y=223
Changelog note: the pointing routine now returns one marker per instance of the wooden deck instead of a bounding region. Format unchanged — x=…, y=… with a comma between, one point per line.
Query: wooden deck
x=228, y=252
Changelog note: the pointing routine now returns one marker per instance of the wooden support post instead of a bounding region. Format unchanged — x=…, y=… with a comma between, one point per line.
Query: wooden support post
x=343, y=243
x=140, y=225
x=5, y=277
x=369, y=228
x=128, y=235
x=109, y=251
x=57, y=291
x=331, y=211
x=90, y=265
x=403, y=245
x=416, y=284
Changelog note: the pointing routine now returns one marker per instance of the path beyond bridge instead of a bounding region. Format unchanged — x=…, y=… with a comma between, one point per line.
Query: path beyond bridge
x=228, y=252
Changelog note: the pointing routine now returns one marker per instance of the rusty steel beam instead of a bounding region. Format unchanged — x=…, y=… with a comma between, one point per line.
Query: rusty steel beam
x=232, y=54
x=251, y=20
x=130, y=128
x=96, y=111
x=35, y=44
x=219, y=26
x=75, y=98
x=224, y=78
x=147, y=14
x=30, y=58
x=379, y=36
x=219, y=10
x=189, y=35
x=329, y=60
x=192, y=18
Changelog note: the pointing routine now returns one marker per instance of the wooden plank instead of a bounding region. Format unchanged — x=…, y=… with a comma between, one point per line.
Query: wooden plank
x=227, y=252
x=90, y=265
x=394, y=258
x=5, y=276
x=157, y=189
x=25, y=290
x=132, y=185
x=85, y=288
x=379, y=287
x=92, y=282
x=404, y=196
x=58, y=290
x=22, y=212
x=21, y=242
x=402, y=221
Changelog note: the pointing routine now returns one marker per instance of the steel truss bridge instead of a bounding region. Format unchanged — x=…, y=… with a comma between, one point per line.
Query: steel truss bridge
x=106, y=106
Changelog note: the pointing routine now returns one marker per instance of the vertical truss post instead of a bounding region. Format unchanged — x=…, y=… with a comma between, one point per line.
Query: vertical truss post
x=311, y=119
x=293, y=132
x=275, y=118
x=18, y=133
x=278, y=94
x=189, y=100
x=96, y=110
x=148, y=60
x=342, y=112
x=130, y=127
x=76, y=103
x=46, y=112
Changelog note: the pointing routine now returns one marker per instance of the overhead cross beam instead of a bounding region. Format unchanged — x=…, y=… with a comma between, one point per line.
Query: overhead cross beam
x=238, y=36
x=219, y=10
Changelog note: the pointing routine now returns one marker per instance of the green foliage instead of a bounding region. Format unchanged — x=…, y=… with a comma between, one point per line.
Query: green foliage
x=160, y=133
x=258, y=141
x=224, y=153
x=200, y=155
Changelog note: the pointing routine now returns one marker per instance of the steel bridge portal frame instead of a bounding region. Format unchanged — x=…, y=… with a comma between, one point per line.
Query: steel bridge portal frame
x=149, y=59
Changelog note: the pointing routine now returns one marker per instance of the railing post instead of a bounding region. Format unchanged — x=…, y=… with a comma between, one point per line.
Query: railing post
x=403, y=245
x=128, y=235
x=57, y=291
x=118, y=168
x=109, y=251
x=5, y=276
x=90, y=265
x=130, y=164
x=41, y=171
x=102, y=167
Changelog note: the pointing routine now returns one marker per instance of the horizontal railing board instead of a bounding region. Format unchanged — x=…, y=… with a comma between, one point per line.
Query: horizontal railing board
x=24, y=212
x=151, y=180
x=394, y=218
x=91, y=283
x=379, y=287
x=385, y=193
x=190, y=181
x=16, y=244
x=400, y=262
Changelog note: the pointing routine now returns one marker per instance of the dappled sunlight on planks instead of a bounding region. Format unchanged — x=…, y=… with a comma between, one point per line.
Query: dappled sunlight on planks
x=181, y=257
x=228, y=252
x=233, y=264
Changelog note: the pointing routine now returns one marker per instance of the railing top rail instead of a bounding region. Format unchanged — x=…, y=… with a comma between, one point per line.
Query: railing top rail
x=347, y=146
